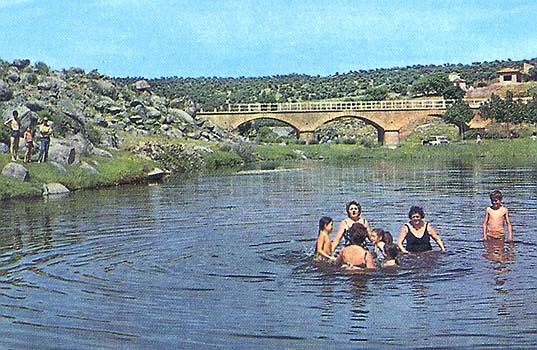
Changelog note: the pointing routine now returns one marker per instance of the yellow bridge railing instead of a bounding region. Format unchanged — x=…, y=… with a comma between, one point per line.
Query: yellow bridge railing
x=341, y=106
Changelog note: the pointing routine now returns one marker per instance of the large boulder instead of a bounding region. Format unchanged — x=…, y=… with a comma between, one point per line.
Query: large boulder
x=142, y=85
x=4, y=148
x=16, y=171
x=62, y=154
x=54, y=188
x=104, y=88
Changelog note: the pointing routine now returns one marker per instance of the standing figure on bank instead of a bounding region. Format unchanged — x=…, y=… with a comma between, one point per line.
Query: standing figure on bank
x=29, y=139
x=496, y=217
x=354, y=210
x=418, y=233
x=15, y=135
x=45, y=132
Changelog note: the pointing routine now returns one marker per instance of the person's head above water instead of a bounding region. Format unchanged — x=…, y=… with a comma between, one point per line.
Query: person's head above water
x=354, y=209
x=357, y=233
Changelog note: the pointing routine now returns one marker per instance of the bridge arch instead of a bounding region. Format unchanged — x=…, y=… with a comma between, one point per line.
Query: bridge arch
x=346, y=115
x=254, y=118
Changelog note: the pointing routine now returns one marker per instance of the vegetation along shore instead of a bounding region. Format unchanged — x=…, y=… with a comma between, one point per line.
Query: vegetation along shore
x=109, y=131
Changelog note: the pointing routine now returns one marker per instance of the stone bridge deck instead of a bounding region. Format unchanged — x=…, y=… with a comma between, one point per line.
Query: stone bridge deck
x=388, y=117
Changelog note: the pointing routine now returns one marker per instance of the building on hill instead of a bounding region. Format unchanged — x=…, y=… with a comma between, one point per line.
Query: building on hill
x=510, y=76
x=456, y=80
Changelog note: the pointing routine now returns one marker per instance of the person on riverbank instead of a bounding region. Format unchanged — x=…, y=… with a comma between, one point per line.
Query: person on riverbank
x=15, y=135
x=45, y=132
x=29, y=140
x=417, y=233
x=355, y=255
x=496, y=218
x=354, y=210
x=323, y=249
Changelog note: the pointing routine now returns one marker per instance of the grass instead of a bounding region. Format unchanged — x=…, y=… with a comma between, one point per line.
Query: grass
x=124, y=168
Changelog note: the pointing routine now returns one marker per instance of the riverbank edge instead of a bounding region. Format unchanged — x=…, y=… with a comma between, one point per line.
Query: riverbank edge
x=127, y=168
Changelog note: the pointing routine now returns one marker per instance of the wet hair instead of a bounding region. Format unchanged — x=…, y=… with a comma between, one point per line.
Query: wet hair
x=325, y=220
x=391, y=250
x=354, y=203
x=387, y=237
x=15, y=113
x=496, y=194
x=416, y=210
x=357, y=233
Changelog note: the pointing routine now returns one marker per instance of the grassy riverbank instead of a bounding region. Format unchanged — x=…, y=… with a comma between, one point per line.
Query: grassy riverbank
x=501, y=151
x=124, y=168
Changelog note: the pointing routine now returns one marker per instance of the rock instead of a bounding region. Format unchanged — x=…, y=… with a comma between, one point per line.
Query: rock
x=21, y=63
x=16, y=171
x=152, y=112
x=54, y=188
x=58, y=166
x=4, y=148
x=6, y=93
x=35, y=105
x=156, y=174
x=62, y=154
x=88, y=168
x=105, y=88
x=142, y=85
x=101, y=153
x=13, y=76
x=181, y=115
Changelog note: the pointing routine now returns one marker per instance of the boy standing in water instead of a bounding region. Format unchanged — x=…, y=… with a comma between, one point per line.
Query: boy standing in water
x=324, y=245
x=496, y=216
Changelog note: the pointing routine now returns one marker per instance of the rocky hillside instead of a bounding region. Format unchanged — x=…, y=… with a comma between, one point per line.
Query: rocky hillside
x=89, y=112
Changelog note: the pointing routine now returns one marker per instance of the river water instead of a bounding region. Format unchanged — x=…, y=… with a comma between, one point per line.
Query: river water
x=225, y=262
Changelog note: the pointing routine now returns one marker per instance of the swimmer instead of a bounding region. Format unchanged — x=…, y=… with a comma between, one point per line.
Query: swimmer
x=391, y=255
x=324, y=245
x=496, y=217
x=354, y=255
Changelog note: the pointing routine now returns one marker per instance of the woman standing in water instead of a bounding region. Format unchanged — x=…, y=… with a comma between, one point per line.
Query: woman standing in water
x=417, y=233
x=354, y=210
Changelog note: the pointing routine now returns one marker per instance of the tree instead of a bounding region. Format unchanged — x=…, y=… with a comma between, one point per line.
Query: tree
x=459, y=114
x=431, y=84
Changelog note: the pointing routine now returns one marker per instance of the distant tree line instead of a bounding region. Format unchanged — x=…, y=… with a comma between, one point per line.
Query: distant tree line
x=375, y=84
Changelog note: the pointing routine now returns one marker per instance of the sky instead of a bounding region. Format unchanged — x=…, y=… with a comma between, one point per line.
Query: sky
x=239, y=38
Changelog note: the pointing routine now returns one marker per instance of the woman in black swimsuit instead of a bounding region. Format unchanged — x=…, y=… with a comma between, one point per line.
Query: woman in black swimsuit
x=417, y=233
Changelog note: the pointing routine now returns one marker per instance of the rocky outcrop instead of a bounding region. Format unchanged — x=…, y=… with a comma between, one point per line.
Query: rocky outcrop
x=16, y=171
x=90, y=112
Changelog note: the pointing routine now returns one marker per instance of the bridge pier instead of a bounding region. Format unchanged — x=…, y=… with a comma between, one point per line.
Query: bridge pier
x=391, y=138
x=306, y=136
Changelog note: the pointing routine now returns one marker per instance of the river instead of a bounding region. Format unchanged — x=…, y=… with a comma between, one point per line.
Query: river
x=224, y=262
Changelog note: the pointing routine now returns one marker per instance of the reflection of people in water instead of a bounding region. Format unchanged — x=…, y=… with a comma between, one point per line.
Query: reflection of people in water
x=355, y=255
x=354, y=209
x=496, y=217
x=417, y=233
x=495, y=251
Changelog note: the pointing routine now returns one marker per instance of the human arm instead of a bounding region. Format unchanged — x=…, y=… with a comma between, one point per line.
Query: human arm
x=485, y=224
x=323, y=242
x=436, y=237
x=339, y=233
x=369, y=260
x=509, y=226
x=400, y=240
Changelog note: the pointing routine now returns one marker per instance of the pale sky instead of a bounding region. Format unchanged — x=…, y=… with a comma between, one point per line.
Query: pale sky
x=233, y=38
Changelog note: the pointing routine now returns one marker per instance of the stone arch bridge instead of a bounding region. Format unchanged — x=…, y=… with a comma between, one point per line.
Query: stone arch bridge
x=388, y=117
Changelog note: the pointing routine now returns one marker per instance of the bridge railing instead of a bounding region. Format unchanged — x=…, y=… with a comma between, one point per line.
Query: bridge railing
x=341, y=106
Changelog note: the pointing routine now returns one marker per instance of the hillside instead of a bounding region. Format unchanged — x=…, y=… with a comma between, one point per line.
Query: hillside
x=377, y=84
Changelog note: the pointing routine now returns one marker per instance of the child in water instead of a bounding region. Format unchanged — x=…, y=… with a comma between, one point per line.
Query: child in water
x=391, y=252
x=324, y=245
x=496, y=217
x=380, y=238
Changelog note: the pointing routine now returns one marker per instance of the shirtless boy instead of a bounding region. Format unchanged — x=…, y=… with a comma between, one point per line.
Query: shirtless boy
x=496, y=216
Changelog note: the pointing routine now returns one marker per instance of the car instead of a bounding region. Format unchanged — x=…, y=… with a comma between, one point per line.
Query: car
x=436, y=140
